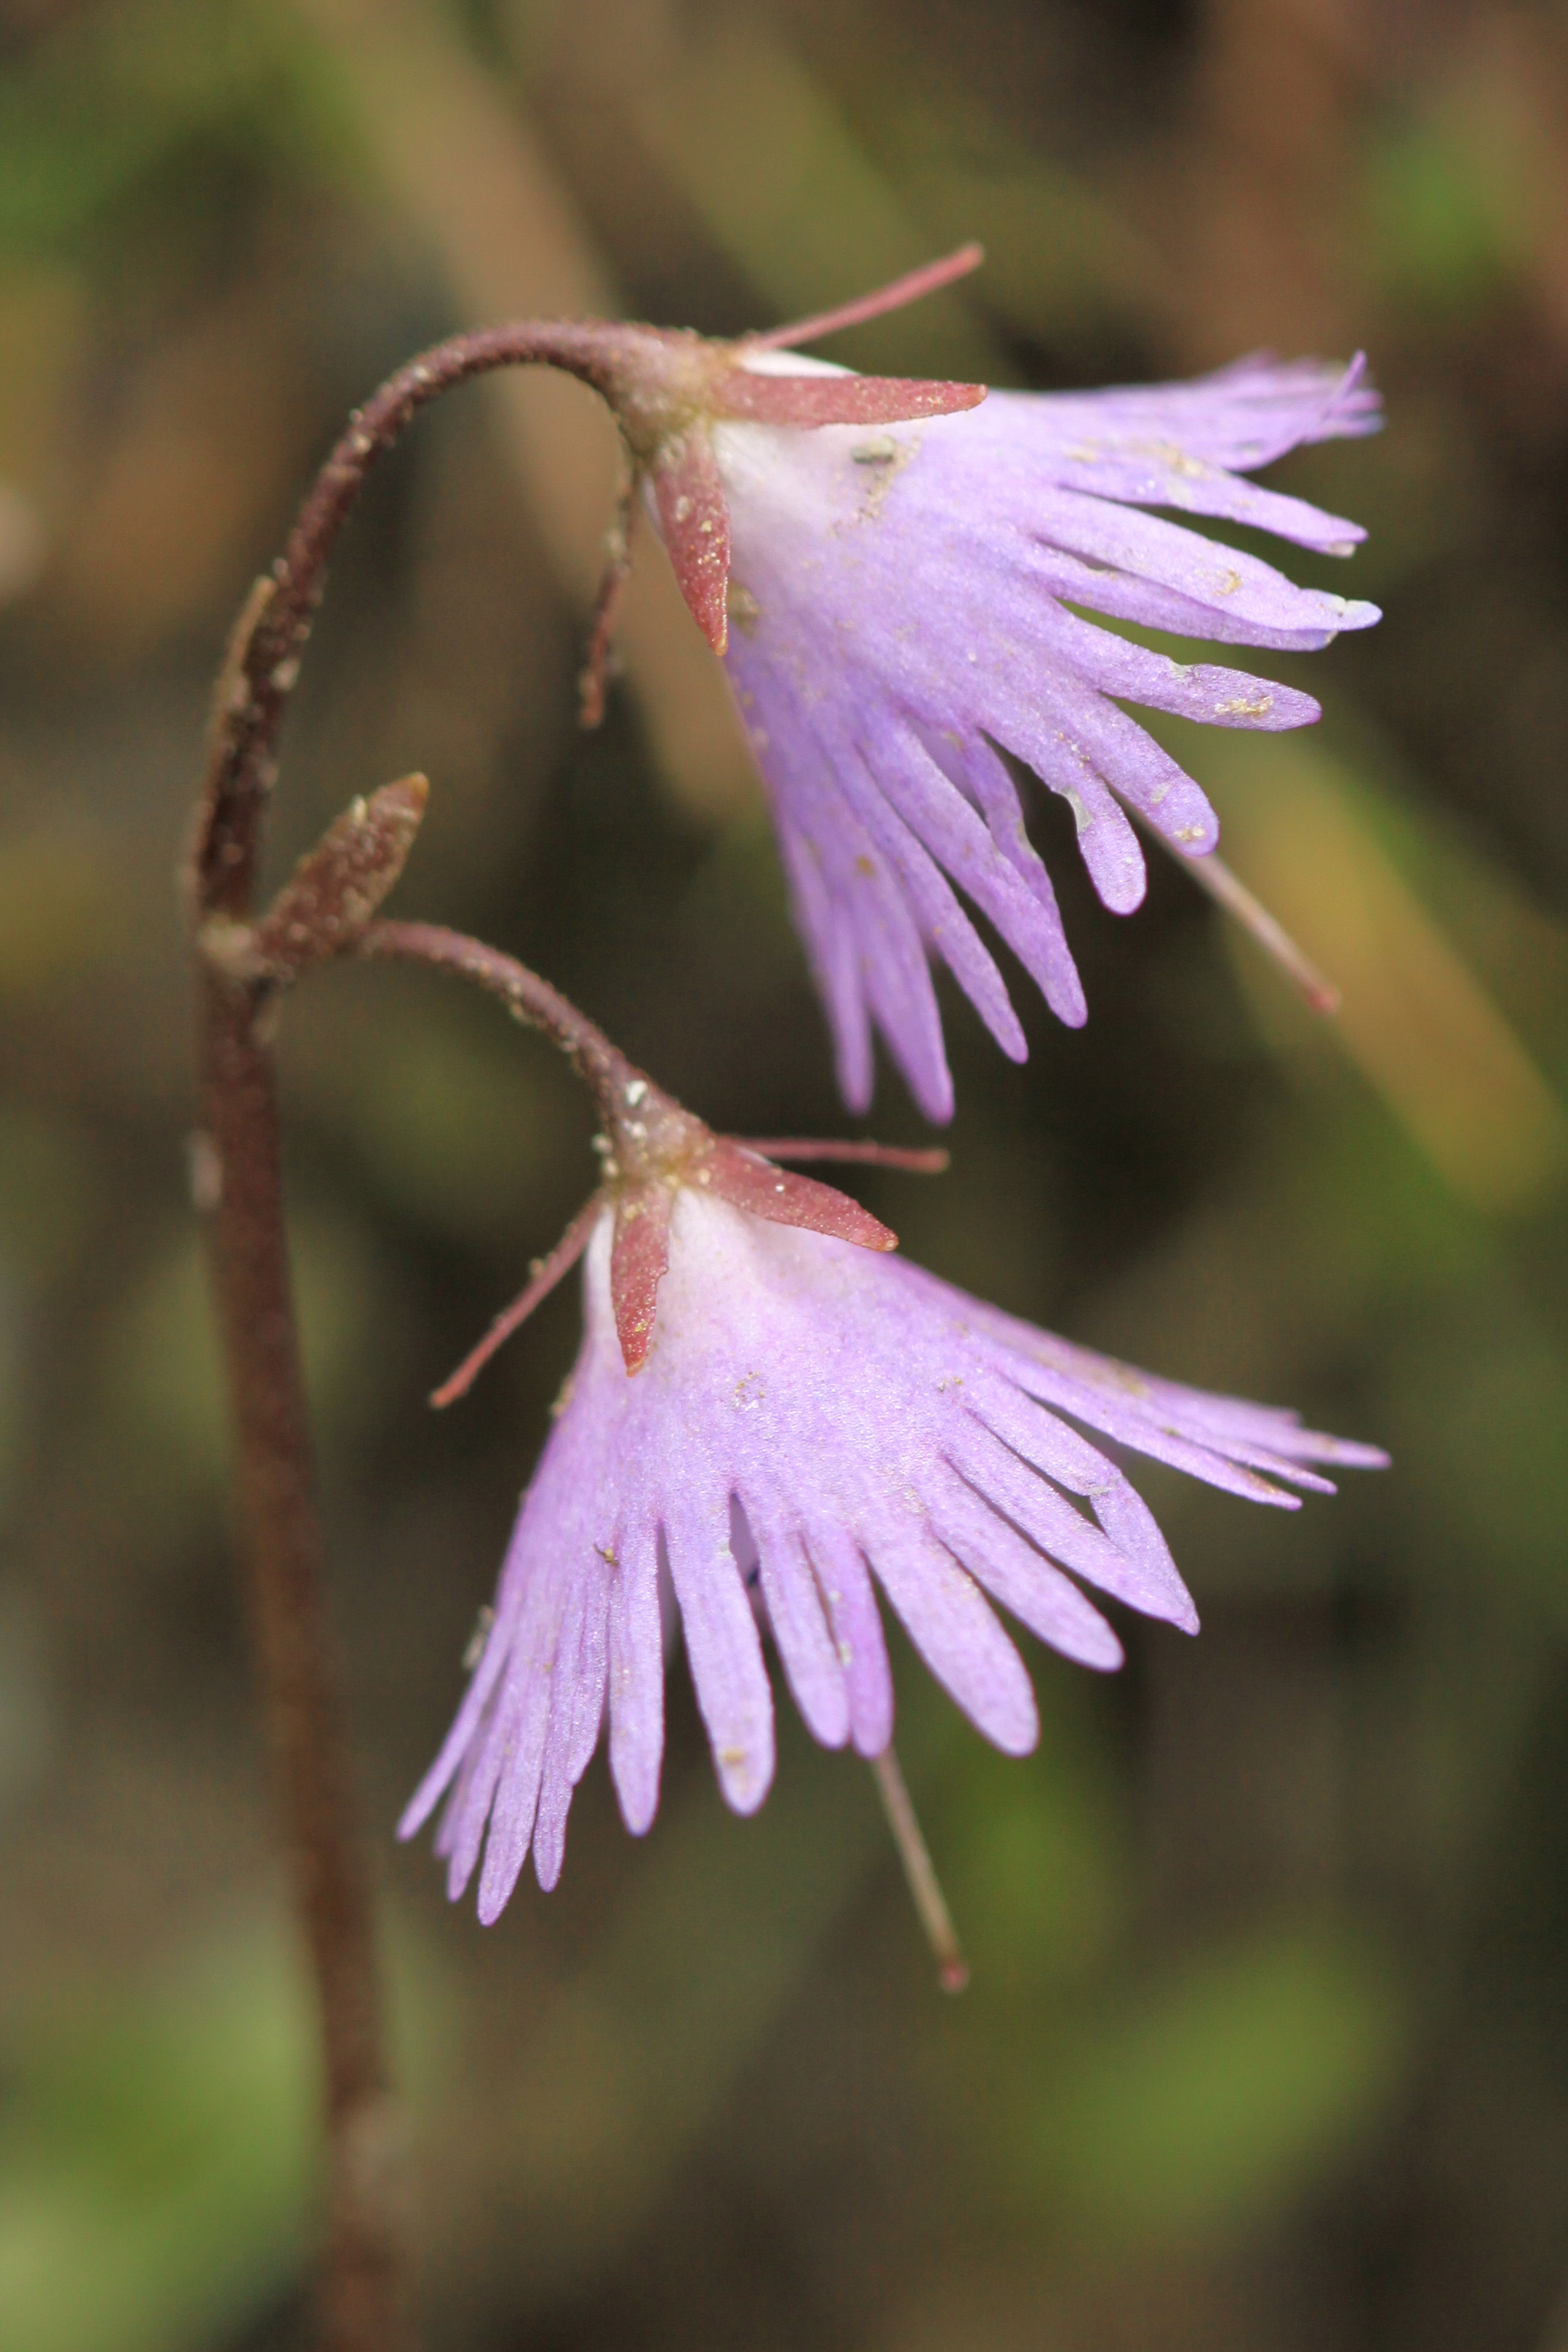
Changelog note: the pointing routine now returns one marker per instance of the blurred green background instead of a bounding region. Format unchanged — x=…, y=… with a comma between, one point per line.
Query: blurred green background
x=1267, y=2045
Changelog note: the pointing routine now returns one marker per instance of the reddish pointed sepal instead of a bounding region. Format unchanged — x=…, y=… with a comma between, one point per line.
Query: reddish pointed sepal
x=694, y=522
x=809, y=401
x=748, y=1181
x=638, y=1256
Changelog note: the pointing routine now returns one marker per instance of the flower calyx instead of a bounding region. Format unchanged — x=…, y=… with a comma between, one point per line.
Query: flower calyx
x=649, y=1150
x=668, y=387
x=683, y=473
x=653, y=1149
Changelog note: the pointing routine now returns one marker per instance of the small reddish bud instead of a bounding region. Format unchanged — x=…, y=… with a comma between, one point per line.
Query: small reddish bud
x=330, y=900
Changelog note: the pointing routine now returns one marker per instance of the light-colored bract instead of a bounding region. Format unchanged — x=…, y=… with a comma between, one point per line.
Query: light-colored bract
x=901, y=603
x=811, y=1415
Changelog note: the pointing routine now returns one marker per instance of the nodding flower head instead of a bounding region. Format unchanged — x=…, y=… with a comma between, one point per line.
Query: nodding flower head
x=771, y=1416
x=907, y=573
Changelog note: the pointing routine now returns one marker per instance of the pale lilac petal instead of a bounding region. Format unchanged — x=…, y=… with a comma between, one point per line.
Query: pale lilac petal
x=1217, y=577
x=513, y=1806
x=1124, y=596
x=1218, y=1439
x=519, y=1735
x=577, y=1715
x=944, y=925
x=1176, y=445
x=495, y=1660
x=1047, y=743
x=723, y=1648
x=1239, y=418
x=798, y=1621
x=636, y=1681
x=1138, y=1571
x=1016, y=1574
x=918, y=788
x=458, y=1743
x=1140, y=770
x=844, y=1581
x=835, y=965
x=1219, y=698
x=879, y=926
x=519, y=1713
x=956, y=1632
x=1041, y=946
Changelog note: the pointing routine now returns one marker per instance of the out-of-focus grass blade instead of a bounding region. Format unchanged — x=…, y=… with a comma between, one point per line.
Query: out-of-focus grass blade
x=1415, y=1018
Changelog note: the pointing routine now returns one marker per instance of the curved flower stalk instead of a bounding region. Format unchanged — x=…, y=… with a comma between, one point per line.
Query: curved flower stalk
x=771, y=1416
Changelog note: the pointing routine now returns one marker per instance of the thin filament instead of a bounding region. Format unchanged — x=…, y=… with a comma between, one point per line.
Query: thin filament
x=910, y=288
x=952, y=1969
x=1232, y=894
x=546, y=1273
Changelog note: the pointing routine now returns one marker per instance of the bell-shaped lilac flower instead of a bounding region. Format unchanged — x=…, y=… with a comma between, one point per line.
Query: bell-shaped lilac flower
x=896, y=572
x=770, y=1419
x=902, y=607
x=897, y=575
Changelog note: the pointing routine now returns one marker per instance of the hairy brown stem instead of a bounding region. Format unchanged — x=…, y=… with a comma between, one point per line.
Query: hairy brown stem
x=360, y=2296
x=361, y=2305
x=240, y=1183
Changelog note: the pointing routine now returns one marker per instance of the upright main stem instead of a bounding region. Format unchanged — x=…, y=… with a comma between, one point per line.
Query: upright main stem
x=361, y=2305
x=240, y=1175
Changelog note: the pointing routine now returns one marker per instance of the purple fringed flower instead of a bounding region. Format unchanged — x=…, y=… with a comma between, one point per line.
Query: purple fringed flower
x=900, y=600
x=890, y=569
x=804, y=1414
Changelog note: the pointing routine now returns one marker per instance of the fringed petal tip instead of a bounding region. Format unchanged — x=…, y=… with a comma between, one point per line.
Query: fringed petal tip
x=1356, y=406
